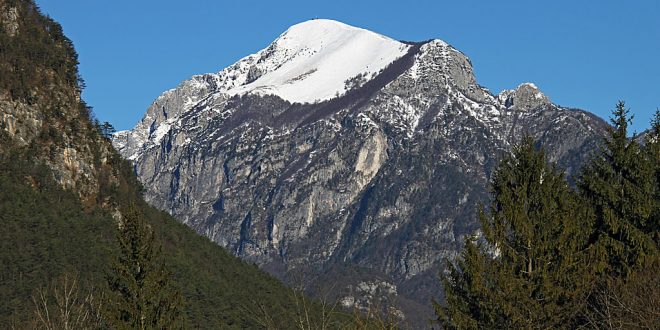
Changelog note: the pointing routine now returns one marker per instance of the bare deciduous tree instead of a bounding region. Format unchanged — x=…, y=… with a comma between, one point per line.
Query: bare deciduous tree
x=65, y=306
x=633, y=303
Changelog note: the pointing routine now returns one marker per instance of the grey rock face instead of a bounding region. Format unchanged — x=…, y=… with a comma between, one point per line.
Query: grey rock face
x=73, y=157
x=386, y=177
x=524, y=98
x=46, y=121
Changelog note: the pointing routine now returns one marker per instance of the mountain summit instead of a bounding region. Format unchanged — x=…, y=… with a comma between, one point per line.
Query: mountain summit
x=313, y=60
x=337, y=148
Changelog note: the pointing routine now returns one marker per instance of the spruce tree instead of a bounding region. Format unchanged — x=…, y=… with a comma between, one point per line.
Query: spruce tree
x=619, y=184
x=470, y=298
x=106, y=129
x=652, y=147
x=142, y=296
x=531, y=271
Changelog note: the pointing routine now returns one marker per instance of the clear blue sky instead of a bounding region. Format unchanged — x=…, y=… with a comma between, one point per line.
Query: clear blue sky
x=584, y=54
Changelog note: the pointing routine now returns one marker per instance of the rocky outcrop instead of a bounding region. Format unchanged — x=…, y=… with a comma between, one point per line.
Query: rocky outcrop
x=9, y=19
x=385, y=176
x=41, y=112
x=526, y=97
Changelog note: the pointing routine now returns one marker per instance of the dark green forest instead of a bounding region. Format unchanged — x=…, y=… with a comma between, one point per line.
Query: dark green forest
x=556, y=256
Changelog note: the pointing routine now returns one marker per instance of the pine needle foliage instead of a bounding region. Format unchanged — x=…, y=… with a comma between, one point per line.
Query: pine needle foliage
x=142, y=294
x=530, y=270
x=621, y=187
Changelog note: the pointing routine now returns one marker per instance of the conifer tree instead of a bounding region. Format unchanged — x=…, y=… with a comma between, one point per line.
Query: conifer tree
x=470, y=298
x=141, y=296
x=619, y=185
x=652, y=147
x=106, y=129
x=531, y=271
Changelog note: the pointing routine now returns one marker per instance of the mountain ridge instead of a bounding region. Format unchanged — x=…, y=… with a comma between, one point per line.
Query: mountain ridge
x=386, y=178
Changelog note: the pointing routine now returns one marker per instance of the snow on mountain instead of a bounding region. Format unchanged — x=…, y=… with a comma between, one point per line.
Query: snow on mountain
x=312, y=61
x=315, y=60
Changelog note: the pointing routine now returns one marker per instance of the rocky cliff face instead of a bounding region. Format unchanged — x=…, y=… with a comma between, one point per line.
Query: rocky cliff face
x=40, y=107
x=384, y=173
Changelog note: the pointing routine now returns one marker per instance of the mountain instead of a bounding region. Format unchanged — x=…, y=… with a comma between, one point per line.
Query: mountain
x=63, y=187
x=340, y=157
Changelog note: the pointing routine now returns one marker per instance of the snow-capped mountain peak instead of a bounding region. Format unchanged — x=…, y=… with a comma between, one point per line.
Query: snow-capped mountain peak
x=310, y=62
x=316, y=60
x=316, y=32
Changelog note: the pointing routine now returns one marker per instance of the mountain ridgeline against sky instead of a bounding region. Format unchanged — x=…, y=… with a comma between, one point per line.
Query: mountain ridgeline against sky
x=336, y=147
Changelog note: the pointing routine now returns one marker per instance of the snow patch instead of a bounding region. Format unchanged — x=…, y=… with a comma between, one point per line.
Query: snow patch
x=160, y=132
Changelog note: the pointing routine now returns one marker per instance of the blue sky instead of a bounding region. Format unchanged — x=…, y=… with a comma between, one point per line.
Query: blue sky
x=584, y=54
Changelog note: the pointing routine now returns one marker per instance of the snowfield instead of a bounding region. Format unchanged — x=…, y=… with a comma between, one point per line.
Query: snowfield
x=313, y=60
